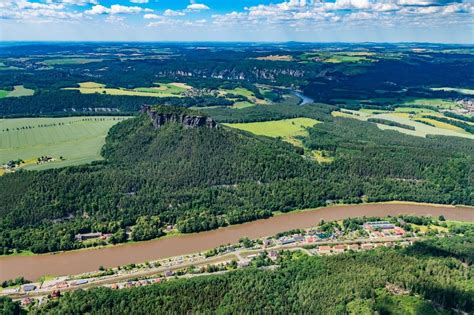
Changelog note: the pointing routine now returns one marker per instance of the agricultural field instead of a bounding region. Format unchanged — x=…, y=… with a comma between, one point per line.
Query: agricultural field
x=287, y=129
x=440, y=103
x=338, y=57
x=77, y=140
x=276, y=58
x=462, y=91
x=18, y=90
x=408, y=116
x=70, y=61
x=161, y=90
x=243, y=92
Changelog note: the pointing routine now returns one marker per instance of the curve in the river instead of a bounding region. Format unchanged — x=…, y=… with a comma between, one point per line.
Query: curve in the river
x=79, y=261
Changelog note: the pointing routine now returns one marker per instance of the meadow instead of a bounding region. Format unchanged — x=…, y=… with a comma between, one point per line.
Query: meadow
x=245, y=93
x=70, y=61
x=409, y=116
x=77, y=139
x=287, y=129
x=18, y=90
x=437, y=102
x=161, y=90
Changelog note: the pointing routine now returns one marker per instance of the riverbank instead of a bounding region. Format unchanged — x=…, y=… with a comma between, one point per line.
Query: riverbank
x=81, y=261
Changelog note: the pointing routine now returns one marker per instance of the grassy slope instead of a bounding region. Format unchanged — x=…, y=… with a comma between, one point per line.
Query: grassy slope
x=288, y=129
x=78, y=141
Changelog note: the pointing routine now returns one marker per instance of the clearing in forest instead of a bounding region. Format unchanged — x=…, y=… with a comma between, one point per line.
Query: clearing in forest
x=18, y=90
x=287, y=129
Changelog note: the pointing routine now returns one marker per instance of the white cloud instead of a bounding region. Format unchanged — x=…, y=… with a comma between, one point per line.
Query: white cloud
x=98, y=9
x=352, y=4
x=151, y=16
x=115, y=9
x=306, y=14
x=139, y=1
x=197, y=7
x=74, y=2
x=169, y=12
x=121, y=9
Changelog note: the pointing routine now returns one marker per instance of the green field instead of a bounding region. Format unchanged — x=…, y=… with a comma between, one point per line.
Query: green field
x=70, y=61
x=437, y=102
x=287, y=129
x=243, y=92
x=77, y=139
x=161, y=90
x=18, y=90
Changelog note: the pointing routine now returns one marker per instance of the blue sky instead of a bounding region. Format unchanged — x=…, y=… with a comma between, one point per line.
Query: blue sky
x=238, y=20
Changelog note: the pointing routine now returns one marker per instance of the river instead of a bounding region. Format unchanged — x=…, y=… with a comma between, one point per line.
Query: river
x=304, y=99
x=79, y=261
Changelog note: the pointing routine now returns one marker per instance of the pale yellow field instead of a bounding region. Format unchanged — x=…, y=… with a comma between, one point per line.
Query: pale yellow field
x=421, y=130
x=163, y=90
x=287, y=129
x=276, y=58
x=459, y=90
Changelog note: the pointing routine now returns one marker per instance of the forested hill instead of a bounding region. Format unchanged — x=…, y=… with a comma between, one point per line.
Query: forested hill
x=203, y=178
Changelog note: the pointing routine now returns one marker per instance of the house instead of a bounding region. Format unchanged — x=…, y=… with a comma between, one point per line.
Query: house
x=28, y=287
x=310, y=239
x=80, y=282
x=399, y=231
x=87, y=236
x=323, y=250
x=286, y=241
x=354, y=247
x=273, y=255
x=367, y=246
x=243, y=263
x=26, y=301
x=339, y=248
x=298, y=238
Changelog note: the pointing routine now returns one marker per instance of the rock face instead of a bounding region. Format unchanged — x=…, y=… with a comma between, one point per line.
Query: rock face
x=188, y=121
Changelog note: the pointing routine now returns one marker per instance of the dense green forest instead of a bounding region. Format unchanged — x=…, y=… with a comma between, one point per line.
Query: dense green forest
x=201, y=179
x=430, y=277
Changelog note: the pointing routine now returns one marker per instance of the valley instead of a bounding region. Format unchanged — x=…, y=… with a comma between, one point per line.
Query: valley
x=138, y=174
x=89, y=260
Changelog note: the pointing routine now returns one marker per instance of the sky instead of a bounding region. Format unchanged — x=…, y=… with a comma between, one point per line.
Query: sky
x=440, y=21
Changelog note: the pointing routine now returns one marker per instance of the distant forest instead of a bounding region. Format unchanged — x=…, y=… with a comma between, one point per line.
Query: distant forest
x=388, y=75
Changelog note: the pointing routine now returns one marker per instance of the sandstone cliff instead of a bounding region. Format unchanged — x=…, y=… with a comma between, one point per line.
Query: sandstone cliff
x=183, y=117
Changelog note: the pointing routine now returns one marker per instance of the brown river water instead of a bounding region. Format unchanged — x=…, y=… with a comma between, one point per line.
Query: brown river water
x=79, y=261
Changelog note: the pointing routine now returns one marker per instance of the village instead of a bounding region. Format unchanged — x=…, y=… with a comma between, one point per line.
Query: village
x=328, y=238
